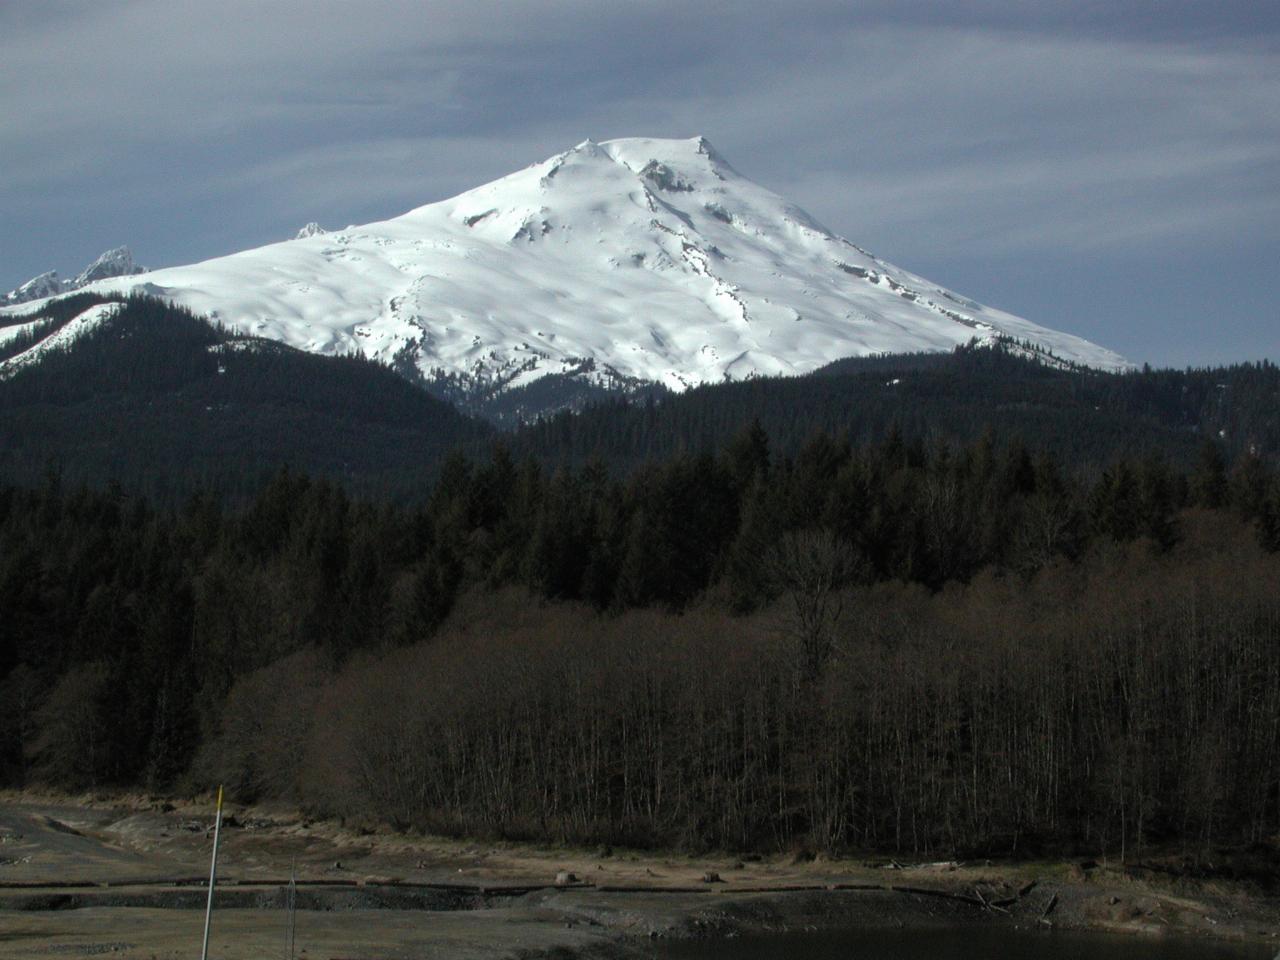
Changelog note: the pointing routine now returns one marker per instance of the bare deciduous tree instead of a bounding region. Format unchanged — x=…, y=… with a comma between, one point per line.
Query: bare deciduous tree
x=811, y=567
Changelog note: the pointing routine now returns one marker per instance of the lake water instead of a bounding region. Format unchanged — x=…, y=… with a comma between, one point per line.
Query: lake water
x=959, y=943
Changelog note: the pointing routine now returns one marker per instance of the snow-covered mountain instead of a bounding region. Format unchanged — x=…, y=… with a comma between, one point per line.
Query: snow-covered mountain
x=116, y=262
x=621, y=262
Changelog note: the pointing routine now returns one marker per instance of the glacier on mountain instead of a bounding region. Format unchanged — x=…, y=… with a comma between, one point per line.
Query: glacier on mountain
x=627, y=261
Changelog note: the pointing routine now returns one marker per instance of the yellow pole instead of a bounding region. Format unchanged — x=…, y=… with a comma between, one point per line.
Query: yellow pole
x=213, y=876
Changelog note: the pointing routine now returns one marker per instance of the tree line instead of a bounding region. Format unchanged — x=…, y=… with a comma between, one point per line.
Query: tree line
x=901, y=645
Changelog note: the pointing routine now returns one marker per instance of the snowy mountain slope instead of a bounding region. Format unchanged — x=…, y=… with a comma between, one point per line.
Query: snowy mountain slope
x=624, y=261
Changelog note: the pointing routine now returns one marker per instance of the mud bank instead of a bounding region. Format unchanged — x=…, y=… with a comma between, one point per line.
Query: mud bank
x=124, y=876
x=349, y=923
x=563, y=924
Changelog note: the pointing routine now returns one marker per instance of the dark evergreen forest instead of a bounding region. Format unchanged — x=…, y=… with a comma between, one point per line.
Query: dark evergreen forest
x=1086, y=418
x=902, y=646
x=964, y=604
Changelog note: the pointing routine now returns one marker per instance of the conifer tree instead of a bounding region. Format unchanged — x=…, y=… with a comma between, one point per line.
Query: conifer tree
x=1209, y=481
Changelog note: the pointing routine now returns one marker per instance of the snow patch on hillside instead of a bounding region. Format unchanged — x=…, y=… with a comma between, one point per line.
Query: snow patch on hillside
x=17, y=329
x=62, y=338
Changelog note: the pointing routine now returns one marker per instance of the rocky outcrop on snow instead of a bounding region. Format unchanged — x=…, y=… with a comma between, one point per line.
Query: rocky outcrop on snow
x=37, y=288
x=116, y=262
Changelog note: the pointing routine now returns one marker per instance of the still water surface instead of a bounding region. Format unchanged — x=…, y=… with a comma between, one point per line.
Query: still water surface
x=958, y=944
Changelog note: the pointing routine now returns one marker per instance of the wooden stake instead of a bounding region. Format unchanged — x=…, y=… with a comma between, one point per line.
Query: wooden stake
x=293, y=896
x=213, y=877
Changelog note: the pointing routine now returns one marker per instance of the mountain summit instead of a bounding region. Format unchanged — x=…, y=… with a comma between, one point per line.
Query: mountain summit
x=624, y=262
x=116, y=262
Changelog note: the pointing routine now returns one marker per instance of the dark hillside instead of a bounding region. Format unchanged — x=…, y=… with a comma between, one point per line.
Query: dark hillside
x=160, y=400
x=1084, y=417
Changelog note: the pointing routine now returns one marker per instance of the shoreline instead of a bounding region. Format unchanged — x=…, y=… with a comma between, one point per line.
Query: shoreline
x=126, y=872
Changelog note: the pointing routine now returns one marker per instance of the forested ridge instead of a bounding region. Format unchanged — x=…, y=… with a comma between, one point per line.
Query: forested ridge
x=1085, y=418
x=164, y=403
x=907, y=645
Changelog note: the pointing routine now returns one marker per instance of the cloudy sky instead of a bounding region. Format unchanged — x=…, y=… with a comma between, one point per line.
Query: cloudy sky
x=1107, y=168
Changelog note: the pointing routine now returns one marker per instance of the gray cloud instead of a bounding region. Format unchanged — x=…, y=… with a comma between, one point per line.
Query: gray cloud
x=1120, y=137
